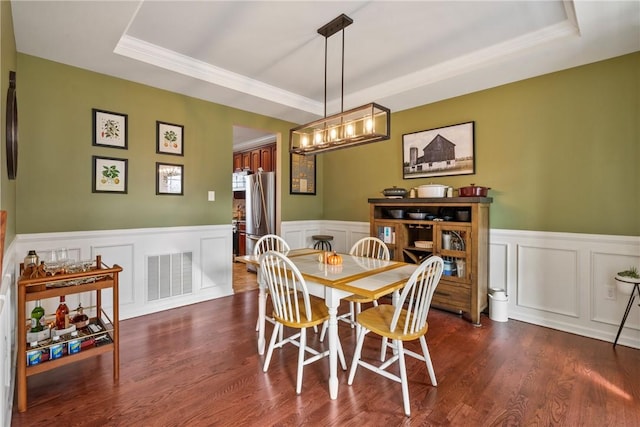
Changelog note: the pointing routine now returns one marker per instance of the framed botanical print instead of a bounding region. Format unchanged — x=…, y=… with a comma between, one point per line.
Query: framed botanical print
x=109, y=175
x=109, y=129
x=169, y=138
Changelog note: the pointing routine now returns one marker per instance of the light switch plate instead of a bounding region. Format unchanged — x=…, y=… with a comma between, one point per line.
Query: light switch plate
x=211, y=196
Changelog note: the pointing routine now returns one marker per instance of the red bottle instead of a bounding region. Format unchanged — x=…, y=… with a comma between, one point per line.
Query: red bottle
x=62, y=315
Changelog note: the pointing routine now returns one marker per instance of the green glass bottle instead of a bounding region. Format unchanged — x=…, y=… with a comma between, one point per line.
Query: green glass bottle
x=37, y=317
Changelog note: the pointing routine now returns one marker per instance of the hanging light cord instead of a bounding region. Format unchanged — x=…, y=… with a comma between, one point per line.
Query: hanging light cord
x=326, y=40
x=325, y=77
x=342, y=84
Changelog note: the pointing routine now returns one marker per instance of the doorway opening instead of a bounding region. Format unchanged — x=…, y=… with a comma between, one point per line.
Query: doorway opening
x=254, y=202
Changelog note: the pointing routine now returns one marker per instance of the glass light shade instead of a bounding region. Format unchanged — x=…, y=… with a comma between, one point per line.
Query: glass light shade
x=362, y=125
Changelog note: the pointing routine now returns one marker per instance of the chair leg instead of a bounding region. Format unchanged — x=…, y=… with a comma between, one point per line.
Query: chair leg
x=257, y=324
x=355, y=320
x=383, y=349
x=403, y=377
x=303, y=345
x=356, y=354
x=353, y=315
x=427, y=359
x=272, y=343
x=324, y=331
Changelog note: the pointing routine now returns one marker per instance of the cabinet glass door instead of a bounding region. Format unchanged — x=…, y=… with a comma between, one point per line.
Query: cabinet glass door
x=388, y=233
x=453, y=244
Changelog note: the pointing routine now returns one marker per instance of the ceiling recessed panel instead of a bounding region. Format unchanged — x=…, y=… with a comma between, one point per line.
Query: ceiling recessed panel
x=267, y=57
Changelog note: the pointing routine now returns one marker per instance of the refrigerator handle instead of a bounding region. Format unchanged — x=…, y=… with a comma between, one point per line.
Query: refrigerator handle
x=264, y=202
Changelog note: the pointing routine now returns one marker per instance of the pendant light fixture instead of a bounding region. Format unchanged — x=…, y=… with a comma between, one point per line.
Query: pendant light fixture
x=362, y=125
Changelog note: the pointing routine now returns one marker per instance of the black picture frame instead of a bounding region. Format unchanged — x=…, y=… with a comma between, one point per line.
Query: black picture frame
x=109, y=175
x=443, y=151
x=169, y=179
x=303, y=174
x=110, y=129
x=169, y=138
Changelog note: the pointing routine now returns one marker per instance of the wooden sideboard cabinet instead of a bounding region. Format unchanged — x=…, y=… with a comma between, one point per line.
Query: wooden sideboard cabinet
x=96, y=278
x=454, y=228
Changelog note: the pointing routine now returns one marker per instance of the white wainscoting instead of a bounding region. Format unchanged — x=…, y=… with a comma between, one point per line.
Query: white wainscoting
x=8, y=297
x=564, y=281
x=345, y=233
x=210, y=246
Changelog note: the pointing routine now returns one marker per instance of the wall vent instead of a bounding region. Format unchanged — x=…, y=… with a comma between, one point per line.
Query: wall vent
x=169, y=275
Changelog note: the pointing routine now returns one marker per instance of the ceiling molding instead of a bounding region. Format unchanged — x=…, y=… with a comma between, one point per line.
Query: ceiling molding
x=140, y=50
x=253, y=143
x=466, y=63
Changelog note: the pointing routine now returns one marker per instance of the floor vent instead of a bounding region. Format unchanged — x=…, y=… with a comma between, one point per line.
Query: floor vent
x=169, y=275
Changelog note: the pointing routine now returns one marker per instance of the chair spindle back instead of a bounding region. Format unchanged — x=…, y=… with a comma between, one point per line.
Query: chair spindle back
x=417, y=295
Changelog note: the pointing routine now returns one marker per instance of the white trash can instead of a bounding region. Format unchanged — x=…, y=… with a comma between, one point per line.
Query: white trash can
x=498, y=303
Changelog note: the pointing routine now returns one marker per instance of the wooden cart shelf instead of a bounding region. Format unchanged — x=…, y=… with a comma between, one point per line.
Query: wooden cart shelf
x=94, y=280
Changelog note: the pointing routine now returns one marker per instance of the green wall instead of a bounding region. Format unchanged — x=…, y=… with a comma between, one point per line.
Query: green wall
x=8, y=61
x=561, y=152
x=54, y=180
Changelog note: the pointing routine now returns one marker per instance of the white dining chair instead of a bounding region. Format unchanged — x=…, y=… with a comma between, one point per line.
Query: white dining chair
x=369, y=247
x=269, y=242
x=295, y=308
x=406, y=321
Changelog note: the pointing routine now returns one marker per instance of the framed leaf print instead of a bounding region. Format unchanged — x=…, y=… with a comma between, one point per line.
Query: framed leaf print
x=109, y=129
x=169, y=139
x=109, y=175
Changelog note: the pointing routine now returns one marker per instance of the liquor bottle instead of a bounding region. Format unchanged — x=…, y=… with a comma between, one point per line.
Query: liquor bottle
x=31, y=260
x=80, y=319
x=62, y=315
x=37, y=317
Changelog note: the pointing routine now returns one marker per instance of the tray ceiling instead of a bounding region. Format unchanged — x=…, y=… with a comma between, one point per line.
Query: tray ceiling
x=266, y=56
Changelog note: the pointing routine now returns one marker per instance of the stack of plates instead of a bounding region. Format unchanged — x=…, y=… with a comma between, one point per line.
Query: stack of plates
x=424, y=244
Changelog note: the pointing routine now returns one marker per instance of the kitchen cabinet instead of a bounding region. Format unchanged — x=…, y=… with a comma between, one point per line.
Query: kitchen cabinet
x=456, y=229
x=237, y=162
x=265, y=159
x=255, y=160
x=96, y=279
x=261, y=157
x=246, y=160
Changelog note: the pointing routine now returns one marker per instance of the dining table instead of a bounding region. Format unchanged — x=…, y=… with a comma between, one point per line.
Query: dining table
x=364, y=276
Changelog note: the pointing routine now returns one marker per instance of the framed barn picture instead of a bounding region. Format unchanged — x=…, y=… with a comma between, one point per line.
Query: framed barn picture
x=444, y=151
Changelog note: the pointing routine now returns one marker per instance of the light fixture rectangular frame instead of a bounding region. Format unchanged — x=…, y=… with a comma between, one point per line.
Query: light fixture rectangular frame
x=362, y=125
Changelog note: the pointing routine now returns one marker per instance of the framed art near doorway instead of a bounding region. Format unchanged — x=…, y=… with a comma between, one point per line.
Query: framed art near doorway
x=303, y=174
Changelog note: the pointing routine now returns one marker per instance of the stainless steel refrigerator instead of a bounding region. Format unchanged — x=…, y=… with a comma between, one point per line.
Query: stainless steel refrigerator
x=260, y=208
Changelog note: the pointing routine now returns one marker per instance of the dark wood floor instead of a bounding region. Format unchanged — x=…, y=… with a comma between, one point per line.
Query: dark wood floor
x=198, y=366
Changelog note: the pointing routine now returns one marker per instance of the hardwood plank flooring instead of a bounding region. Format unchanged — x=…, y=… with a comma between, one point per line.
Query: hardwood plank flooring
x=243, y=280
x=198, y=366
